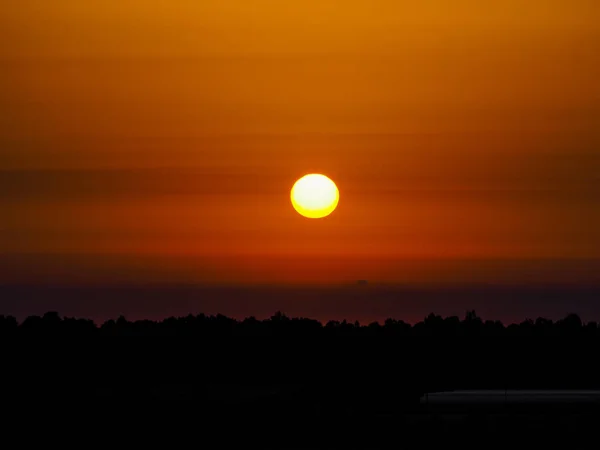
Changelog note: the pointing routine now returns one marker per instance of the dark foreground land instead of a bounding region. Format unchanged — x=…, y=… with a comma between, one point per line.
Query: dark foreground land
x=290, y=383
x=292, y=416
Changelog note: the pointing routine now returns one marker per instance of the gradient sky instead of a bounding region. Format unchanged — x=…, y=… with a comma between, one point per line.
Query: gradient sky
x=151, y=140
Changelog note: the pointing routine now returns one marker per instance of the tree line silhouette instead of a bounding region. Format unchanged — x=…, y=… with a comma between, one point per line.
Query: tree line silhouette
x=434, y=354
x=300, y=368
x=281, y=325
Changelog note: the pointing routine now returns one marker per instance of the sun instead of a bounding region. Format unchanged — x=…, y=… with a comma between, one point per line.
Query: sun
x=315, y=196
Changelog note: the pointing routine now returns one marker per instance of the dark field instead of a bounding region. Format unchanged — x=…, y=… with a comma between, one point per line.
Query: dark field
x=297, y=416
x=295, y=383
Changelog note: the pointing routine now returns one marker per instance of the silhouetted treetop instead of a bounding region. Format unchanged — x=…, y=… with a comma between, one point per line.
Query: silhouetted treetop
x=279, y=323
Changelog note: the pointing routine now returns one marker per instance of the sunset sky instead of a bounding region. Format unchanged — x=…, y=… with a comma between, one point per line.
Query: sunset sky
x=157, y=141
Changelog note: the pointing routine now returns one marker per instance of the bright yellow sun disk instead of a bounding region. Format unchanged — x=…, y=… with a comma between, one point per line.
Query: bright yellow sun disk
x=315, y=196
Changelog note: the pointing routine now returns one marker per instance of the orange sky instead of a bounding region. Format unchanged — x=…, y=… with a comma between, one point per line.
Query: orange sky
x=158, y=140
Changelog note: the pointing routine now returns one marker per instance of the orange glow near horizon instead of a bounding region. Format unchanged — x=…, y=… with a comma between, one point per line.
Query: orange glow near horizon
x=159, y=140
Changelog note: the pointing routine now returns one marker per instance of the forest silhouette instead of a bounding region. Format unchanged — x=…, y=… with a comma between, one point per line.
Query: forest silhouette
x=285, y=382
x=416, y=357
x=279, y=324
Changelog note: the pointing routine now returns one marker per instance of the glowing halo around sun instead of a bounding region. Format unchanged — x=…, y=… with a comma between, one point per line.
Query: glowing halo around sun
x=315, y=196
